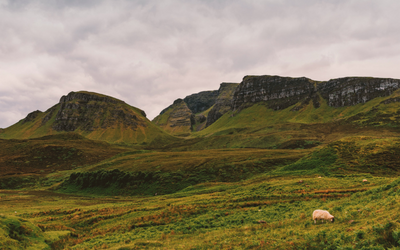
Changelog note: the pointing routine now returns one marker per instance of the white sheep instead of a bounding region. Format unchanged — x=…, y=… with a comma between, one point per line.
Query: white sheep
x=322, y=215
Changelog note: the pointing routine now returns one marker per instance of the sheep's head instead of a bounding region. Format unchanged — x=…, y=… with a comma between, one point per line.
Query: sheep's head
x=333, y=219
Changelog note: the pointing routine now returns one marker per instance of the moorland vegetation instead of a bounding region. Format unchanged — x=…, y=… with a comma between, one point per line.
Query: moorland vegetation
x=250, y=180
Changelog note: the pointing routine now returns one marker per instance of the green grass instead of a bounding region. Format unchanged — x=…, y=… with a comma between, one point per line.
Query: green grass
x=223, y=215
x=214, y=199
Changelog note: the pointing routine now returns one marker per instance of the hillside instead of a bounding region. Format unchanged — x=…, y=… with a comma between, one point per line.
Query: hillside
x=27, y=162
x=278, y=148
x=177, y=119
x=196, y=111
x=92, y=115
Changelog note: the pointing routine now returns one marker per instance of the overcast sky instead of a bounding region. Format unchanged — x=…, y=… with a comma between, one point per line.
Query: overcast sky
x=149, y=53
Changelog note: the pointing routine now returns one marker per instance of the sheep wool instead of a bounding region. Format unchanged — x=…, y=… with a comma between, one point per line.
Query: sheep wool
x=322, y=215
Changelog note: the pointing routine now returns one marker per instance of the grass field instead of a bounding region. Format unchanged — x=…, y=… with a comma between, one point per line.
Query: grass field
x=260, y=213
x=209, y=199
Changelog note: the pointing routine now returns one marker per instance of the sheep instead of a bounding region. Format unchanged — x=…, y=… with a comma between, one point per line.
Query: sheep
x=322, y=215
x=365, y=180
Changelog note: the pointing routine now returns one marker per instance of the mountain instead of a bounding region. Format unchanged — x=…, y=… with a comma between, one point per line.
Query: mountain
x=193, y=112
x=93, y=115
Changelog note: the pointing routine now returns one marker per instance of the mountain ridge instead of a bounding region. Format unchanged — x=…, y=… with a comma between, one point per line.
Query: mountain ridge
x=96, y=116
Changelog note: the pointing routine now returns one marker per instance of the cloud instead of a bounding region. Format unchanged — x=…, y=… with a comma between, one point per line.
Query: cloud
x=149, y=53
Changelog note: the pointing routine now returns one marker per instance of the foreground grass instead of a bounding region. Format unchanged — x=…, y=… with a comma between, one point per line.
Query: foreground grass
x=225, y=199
x=263, y=212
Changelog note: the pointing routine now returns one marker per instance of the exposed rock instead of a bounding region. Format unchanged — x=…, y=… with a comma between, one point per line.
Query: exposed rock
x=282, y=92
x=92, y=115
x=222, y=103
x=31, y=116
x=277, y=92
x=351, y=91
x=181, y=115
x=82, y=110
x=86, y=97
x=177, y=119
x=200, y=118
x=201, y=101
x=49, y=114
x=198, y=102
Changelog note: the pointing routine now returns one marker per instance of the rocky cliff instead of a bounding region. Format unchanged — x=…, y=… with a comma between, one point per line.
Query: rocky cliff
x=196, y=109
x=223, y=102
x=201, y=101
x=277, y=92
x=350, y=91
x=282, y=92
x=176, y=119
x=91, y=114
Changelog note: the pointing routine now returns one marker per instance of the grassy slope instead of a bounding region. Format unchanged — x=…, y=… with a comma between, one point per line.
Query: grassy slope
x=26, y=162
x=258, y=126
x=118, y=132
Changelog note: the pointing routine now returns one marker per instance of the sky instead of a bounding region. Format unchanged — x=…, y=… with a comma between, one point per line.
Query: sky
x=150, y=52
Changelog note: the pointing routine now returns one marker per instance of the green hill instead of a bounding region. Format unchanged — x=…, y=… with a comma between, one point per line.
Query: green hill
x=92, y=115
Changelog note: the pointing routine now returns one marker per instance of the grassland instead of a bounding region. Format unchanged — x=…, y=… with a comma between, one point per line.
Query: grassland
x=208, y=199
x=260, y=213
x=249, y=181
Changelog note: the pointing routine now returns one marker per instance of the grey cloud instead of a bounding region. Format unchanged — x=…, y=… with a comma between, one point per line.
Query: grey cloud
x=148, y=53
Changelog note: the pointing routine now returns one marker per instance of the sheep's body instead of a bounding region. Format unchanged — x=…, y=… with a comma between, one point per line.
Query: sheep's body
x=322, y=215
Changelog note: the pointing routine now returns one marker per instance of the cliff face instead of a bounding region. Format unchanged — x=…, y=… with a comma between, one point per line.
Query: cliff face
x=176, y=119
x=282, y=92
x=350, y=91
x=200, y=109
x=278, y=92
x=222, y=103
x=201, y=101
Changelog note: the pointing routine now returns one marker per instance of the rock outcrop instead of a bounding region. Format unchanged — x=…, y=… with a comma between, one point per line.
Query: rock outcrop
x=82, y=110
x=32, y=116
x=92, y=115
x=176, y=119
x=223, y=102
x=196, y=110
x=201, y=101
x=278, y=92
x=350, y=91
x=282, y=92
